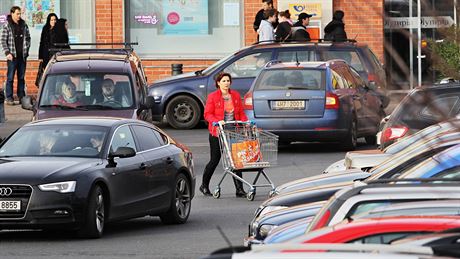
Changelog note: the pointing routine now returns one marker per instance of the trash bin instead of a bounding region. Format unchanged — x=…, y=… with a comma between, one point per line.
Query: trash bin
x=176, y=69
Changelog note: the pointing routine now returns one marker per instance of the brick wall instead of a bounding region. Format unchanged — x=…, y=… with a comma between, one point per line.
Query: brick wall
x=363, y=19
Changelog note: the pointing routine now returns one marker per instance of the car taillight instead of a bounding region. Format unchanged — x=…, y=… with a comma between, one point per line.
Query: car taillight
x=247, y=101
x=322, y=221
x=393, y=133
x=371, y=77
x=332, y=101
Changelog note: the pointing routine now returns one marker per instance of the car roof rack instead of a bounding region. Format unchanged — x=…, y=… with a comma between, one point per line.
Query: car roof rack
x=63, y=48
x=310, y=41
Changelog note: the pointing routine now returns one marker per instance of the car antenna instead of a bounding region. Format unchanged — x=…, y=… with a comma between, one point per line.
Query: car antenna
x=297, y=59
x=226, y=238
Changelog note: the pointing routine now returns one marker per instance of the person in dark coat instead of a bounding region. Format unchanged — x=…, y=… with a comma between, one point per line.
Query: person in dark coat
x=299, y=29
x=266, y=4
x=62, y=34
x=283, y=31
x=335, y=30
x=47, y=38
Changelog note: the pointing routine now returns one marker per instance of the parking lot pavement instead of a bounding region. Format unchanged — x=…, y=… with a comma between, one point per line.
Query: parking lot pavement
x=15, y=118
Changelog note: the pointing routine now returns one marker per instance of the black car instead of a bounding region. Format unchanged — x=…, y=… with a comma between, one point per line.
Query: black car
x=79, y=173
x=182, y=98
x=421, y=108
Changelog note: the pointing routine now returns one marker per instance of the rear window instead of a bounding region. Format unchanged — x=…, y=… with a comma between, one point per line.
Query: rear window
x=282, y=79
x=350, y=56
x=426, y=108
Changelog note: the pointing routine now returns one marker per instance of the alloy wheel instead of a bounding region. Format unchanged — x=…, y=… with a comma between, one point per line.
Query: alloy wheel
x=182, y=198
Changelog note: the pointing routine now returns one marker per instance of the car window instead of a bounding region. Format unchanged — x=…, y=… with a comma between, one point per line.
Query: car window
x=60, y=140
x=450, y=173
x=294, y=56
x=440, y=108
x=122, y=138
x=280, y=79
x=385, y=238
x=248, y=66
x=374, y=60
x=350, y=56
x=112, y=91
x=149, y=138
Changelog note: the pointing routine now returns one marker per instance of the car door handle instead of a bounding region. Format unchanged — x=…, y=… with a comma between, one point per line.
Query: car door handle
x=169, y=160
x=143, y=166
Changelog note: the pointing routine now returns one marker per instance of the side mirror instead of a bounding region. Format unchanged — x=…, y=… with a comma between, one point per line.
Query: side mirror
x=149, y=102
x=27, y=103
x=123, y=152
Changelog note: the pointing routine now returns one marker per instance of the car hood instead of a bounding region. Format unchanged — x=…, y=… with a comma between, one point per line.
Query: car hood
x=34, y=170
x=175, y=78
x=365, y=159
x=54, y=113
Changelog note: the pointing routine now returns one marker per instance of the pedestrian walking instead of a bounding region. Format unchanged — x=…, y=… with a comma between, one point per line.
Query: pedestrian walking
x=15, y=40
x=266, y=30
x=266, y=4
x=47, y=38
x=299, y=29
x=283, y=31
x=223, y=104
x=335, y=30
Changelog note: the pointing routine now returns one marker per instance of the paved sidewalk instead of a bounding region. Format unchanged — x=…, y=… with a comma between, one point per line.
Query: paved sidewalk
x=15, y=118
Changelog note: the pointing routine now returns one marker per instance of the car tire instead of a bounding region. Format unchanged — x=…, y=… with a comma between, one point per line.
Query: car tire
x=183, y=112
x=350, y=141
x=371, y=140
x=95, y=215
x=181, y=202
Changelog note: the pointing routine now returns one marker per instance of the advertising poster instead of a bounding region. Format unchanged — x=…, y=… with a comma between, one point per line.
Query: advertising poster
x=314, y=9
x=36, y=11
x=185, y=17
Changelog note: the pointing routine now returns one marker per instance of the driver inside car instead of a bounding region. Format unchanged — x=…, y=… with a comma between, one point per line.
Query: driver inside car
x=108, y=93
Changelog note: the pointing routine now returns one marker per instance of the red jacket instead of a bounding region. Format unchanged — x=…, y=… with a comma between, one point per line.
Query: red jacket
x=214, y=110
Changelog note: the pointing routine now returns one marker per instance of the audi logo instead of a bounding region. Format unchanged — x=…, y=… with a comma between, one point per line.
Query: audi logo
x=5, y=191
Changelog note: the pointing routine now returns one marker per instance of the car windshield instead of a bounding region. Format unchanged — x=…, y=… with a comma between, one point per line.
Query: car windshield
x=55, y=140
x=217, y=64
x=282, y=79
x=92, y=91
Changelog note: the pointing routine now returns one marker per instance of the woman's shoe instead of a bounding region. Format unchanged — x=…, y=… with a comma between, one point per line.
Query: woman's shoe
x=205, y=191
x=240, y=193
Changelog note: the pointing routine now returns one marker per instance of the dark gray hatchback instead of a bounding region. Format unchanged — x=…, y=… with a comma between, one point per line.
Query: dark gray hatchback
x=92, y=82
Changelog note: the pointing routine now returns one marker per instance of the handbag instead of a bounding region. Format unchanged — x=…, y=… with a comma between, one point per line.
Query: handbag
x=245, y=152
x=41, y=68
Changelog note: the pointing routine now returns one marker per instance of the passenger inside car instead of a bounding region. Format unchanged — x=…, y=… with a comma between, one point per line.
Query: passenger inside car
x=111, y=96
x=47, y=142
x=96, y=142
x=68, y=96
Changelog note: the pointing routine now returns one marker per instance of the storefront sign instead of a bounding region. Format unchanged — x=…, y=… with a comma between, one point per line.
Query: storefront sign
x=185, y=17
x=146, y=19
x=425, y=22
x=3, y=18
x=314, y=9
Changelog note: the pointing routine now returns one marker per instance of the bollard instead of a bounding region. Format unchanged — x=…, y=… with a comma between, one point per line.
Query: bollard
x=176, y=69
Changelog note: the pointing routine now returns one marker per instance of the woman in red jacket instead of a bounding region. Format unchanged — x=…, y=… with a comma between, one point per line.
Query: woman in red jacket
x=222, y=105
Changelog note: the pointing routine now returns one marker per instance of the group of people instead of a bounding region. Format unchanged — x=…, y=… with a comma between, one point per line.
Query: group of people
x=15, y=41
x=272, y=25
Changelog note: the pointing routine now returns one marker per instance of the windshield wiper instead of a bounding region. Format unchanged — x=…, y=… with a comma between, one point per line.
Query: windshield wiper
x=63, y=107
x=97, y=107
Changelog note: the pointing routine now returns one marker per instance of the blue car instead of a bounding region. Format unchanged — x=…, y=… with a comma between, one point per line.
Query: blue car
x=314, y=101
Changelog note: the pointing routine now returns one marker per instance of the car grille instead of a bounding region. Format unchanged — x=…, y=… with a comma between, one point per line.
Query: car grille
x=19, y=193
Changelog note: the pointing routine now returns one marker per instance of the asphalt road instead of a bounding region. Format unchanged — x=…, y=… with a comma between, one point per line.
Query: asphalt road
x=147, y=237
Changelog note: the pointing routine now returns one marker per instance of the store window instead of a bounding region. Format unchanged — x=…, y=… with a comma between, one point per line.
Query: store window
x=79, y=15
x=184, y=28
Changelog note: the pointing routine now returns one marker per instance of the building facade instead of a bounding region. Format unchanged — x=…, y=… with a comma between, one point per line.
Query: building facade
x=209, y=30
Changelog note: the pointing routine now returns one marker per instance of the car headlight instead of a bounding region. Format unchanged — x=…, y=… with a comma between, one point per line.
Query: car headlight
x=270, y=209
x=265, y=229
x=62, y=187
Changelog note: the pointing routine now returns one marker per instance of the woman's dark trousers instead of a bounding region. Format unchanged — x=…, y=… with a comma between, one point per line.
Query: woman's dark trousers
x=212, y=164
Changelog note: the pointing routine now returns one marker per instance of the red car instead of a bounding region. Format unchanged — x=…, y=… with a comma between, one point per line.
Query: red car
x=379, y=230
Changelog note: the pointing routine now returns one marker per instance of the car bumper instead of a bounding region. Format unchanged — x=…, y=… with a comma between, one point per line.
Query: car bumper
x=330, y=127
x=45, y=210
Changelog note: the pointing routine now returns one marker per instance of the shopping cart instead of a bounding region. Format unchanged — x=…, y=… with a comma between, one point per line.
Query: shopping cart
x=245, y=148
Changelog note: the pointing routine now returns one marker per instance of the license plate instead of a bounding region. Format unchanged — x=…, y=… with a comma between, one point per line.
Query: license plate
x=289, y=105
x=10, y=206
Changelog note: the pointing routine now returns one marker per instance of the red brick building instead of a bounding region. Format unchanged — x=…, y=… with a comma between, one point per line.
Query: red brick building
x=364, y=21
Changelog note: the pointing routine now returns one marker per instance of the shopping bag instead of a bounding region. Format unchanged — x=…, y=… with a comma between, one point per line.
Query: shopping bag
x=39, y=73
x=245, y=152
